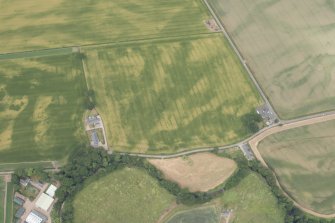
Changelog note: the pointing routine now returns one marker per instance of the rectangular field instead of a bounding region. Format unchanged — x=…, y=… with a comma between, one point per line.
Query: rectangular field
x=41, y=107
x=29, y=25
x=290, y=46
x=303, y=158
x=170, y=95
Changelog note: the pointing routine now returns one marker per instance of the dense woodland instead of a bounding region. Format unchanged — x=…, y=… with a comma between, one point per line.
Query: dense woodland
x=88, y=163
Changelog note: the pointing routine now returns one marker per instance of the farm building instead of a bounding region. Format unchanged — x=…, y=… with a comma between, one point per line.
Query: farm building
x=94, y=121
x=20, y=212
x=94, y=139
x=24, y=182
x=51, y=190
x=44, y=202
x=36, y=217
x=19, y=201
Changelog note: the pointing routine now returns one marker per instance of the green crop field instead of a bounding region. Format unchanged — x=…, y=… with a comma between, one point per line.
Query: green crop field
x=2, y=198
x=251, y=200
x=127, y=195
x=29, y=25
x=295, y=70
x=303, y=159
x=169, y=95
x=41, y=107
x=196, y=215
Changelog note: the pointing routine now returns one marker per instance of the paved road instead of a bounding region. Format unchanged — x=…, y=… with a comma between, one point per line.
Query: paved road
x=239, y=55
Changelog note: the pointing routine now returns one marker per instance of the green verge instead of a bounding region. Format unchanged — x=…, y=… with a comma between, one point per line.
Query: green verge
x=9, y=203
x=39, y=24
x=41, y=107
x=2, y=198
x=127, y=195
x=303, y=158
x=171, y=95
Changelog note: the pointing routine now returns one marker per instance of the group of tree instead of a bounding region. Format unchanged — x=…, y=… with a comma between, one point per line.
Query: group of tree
x=252, y=121
x=88, y=163
x=89, y=102
x=36, y=174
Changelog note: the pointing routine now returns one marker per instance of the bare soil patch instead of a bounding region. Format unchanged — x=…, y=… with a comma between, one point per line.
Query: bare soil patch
x=199, y=172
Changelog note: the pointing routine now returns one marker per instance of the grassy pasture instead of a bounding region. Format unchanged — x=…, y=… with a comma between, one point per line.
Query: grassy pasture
x=303, y=159
x=251, y=201
x=41, y=107
x=198, y=172
x=9, y=203
x=169, y=95
x=295, y=70
x=127, y=195
x=30, y=25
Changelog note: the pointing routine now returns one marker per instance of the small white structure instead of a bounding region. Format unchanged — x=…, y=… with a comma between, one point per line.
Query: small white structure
x=34, y=218
x=51, y=190
x=44, y=202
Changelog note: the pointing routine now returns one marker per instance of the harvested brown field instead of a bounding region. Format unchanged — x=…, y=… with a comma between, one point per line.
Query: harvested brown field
x=199, y=172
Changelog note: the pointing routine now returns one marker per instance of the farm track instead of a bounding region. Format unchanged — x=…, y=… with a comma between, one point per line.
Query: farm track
x=71, y=49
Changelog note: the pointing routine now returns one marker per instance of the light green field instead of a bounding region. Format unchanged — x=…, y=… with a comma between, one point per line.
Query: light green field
x=127, y=195
x=2, y=198
x=295, y=70
x=197, y=215
x=41, y=107
x=170, y=95
x=251, y=200
x=303, y=158
x=29, y=25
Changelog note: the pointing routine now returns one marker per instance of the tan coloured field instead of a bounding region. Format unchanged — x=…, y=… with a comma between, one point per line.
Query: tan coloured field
x=199, y=172
x=290, y=46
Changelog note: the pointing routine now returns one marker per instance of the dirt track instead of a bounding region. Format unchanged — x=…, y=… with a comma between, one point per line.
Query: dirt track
x=255, y=141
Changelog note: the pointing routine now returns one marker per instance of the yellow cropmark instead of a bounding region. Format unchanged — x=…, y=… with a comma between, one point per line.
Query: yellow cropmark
x=40, y=116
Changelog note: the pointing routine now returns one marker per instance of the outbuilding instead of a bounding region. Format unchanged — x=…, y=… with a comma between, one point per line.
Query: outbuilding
x=44, y=202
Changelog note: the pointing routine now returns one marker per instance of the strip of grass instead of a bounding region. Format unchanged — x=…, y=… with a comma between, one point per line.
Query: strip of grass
x=41, y=107
x=2, y=198
x=39, y=24
x=171, y=95
x=303, y=160
x=38, y=53
x=10, y=167
x=127, y=195
x=251, y=201
x=9, y=203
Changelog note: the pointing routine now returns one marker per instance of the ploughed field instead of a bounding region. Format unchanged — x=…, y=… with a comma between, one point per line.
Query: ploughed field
x=290, y=46
x=303, y=160
x=171, y=95
x=41, y=107
x=39, y=24
x=191, y=171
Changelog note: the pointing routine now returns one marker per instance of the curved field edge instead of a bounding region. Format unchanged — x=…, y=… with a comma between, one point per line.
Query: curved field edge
x=157, y=104
x=250, y=201
x=302, y=160
x=190, y=171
